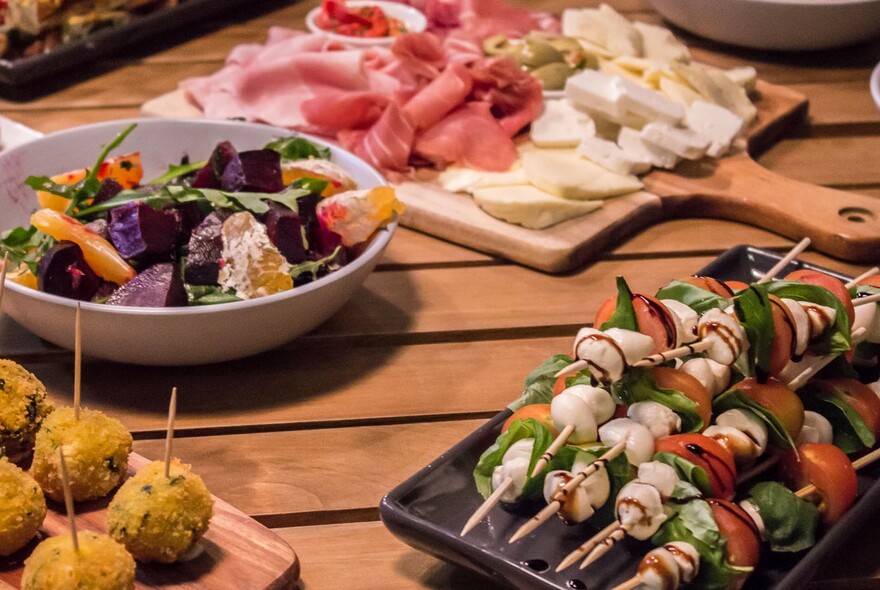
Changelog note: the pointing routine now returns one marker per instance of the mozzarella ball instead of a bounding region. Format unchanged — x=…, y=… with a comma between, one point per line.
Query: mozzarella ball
x=639, y=442
x=816, y=429
x=686, y=320
x=599, y=400
x=714, y=376
x=725, y=336
x=657, y=418
x=639, y=509
x=569, y=410
x=660, y=475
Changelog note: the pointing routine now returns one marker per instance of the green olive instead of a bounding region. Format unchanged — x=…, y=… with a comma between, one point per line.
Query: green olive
x=553, y=75
x=498, y=45
x=534, y=54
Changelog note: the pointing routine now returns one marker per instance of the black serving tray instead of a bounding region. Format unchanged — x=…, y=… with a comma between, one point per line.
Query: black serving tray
x=429, y=509
x=141, y=28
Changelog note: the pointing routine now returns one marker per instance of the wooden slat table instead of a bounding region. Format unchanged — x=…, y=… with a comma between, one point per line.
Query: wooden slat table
x=307, y=438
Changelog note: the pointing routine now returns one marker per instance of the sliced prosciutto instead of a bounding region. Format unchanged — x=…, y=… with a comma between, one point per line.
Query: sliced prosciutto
x=437, y=99
x=388, y=143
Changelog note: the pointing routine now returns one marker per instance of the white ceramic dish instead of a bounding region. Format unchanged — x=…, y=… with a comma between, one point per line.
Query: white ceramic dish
x=875, y=85
x=413, y=18
x=171, y=336
x=13, y=133
x=776, y=24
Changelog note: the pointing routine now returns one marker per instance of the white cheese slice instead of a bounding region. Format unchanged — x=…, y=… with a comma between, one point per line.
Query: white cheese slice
x=457, y=179
x=745, y=76
x=603, y=26
x=681, y=141
x=659, y=44
x=614, y=69
x=631, y=141
x=594, y=92
x=647, y=103
x=565, y=174
x=529, y=206
x=678, y=92
x=561, y=124
x=609, y=155
x=717, y=88
x=717, y=124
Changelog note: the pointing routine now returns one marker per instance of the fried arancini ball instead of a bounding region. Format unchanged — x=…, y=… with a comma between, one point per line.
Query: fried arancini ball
x=160, y=518
x=23, y=406
x=100, y=564
x=96, y=449
x=22, y=507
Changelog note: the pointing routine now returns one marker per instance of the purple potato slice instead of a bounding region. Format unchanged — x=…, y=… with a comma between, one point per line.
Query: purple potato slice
x=158, y=286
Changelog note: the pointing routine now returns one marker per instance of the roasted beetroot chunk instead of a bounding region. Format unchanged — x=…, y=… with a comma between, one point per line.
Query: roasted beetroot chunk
x=63, y=271
x=262, y=171
x=285, y=231
x=204, y=250
x=158, y=286
x=109, y=189
x=139, y=231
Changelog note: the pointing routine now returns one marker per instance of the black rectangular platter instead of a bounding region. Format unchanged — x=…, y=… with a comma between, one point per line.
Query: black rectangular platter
x=428, y=510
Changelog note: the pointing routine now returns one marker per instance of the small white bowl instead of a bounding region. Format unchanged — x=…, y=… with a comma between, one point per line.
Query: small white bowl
x=776, y=24
x=875, y=85
x=413, y=18
x=178, y=335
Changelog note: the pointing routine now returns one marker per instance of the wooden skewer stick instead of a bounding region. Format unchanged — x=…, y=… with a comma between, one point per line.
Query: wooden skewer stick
x=573, y=368
x=554, y=506
x=866, y=300
x=604, y=546
x=3, y=279
x=77, y=363
x=557, y=444
x=662, y=357
x=490, y=503
x=757, y=470
x=587, y=547
x=169, y=434
x=630, y=584
x=68, y=498
x=857, y=464
x=821, y=362
x=868, y=273
x=783, y=262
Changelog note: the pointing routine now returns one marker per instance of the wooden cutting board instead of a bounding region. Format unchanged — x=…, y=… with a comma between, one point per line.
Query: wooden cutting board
x=239, y=553
x=841, y=224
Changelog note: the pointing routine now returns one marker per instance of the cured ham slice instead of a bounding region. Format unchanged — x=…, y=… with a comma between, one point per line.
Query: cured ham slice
x=437, y=99
x=388, y=143
x=469, y=136
x=516, y=96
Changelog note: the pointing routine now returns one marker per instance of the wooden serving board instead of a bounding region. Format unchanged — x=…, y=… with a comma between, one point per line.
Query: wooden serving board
x=841, y=224
x=239, y=553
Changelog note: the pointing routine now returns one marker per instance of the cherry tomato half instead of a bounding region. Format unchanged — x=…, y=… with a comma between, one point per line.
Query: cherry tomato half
x=833, y=284
x=669, y=378
x=540, y=412
x=710, y=284
x=858, y=395
x=653, y=318
x=778, y=399
x=735, y=525
x=829, y=469
x=706, y=453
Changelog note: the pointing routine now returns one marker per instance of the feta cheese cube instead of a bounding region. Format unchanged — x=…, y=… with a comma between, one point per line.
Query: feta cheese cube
x=630, y=140
x=715, y=123
x=609, y=155
x=683, y=142
x=561, y=124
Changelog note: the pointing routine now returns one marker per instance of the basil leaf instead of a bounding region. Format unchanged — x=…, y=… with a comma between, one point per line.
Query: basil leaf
x=298, y=148
x=638, y=385
x=837, y=338
x=491, y=457
x=687, y=472
x=736, y=399
x=178, y=170
x=540, y=382
x=619, y=473
x=753, y=309
x=697, y=298
x=851, y=434
x=791, y=522
x=694, y=523
x=624, y=315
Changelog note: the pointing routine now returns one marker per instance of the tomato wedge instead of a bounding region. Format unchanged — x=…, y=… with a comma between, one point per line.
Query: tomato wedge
x=653, y=318
x=778, y=399
x=829, y=469
x=669, y=378
x=833, y=284
x=858, y=395
x=707, y=454
x=735, y=525
x=540, y=412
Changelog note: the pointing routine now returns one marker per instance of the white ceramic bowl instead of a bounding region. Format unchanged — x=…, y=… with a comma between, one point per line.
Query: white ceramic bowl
x=182, y=335
x=875, y=84
x=413, y=18
x=776, y=24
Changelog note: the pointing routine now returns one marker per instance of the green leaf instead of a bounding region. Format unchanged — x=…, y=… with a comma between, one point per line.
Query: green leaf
x=178, y=170
x=619, y=473
x=491, y=457
x=624, y=315
x=851, y=434
x=687, y=472
x=736, y=399
x=25, y=246
x=791, y=522
x=697, y=298
x=835, y=340
x=208, y=295
x=298, y=148
x=540, y=382
x=329, y=263
x=638, y=385
x=753, y=309
x=89, y=186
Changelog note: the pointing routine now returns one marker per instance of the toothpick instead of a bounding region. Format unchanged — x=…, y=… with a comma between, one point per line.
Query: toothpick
x=3, y=280
x=571, y=369
x=68, y=498
x=866, y=300
x=605, y=546
x=587, y=547
x=630, y=584
x=821, y=362
x=557, y=444
x=77, y=363
x=792, y=254
x=169, y=435
x=662, y=357
x=868, y=273
x=556, y=503
x=487, y=505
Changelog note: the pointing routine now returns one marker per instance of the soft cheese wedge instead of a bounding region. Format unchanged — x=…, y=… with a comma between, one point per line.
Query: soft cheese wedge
x=529, y=206
x=565, y=174
x=457, y=179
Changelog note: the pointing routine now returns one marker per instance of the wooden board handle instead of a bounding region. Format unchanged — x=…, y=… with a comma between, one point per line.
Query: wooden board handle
x=841, y=224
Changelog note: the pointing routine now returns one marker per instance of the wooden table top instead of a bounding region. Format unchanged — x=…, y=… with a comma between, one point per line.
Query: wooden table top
x=309, y=437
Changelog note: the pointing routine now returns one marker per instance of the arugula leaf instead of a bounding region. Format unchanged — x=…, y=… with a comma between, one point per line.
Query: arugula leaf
x=25, y=246
x=753, y=309
x=208, y=294
x=687, y=472
x=624, y=315
x=540, y=382
x=638, y=385
x=178, y=170
x=694, y=523
x=313, y=185
x=697, y=298
x=736, y=399
x=851, y=433
x=835, y=340
x=791, y=523
x=298, y=148
x=314, y=266
x=491, y=457
x=90, y=185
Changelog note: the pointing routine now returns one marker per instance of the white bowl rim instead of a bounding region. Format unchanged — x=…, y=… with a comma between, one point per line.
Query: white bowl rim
x=379, y=241
x=415, y=19
x=812, y=3
x=875, y=84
